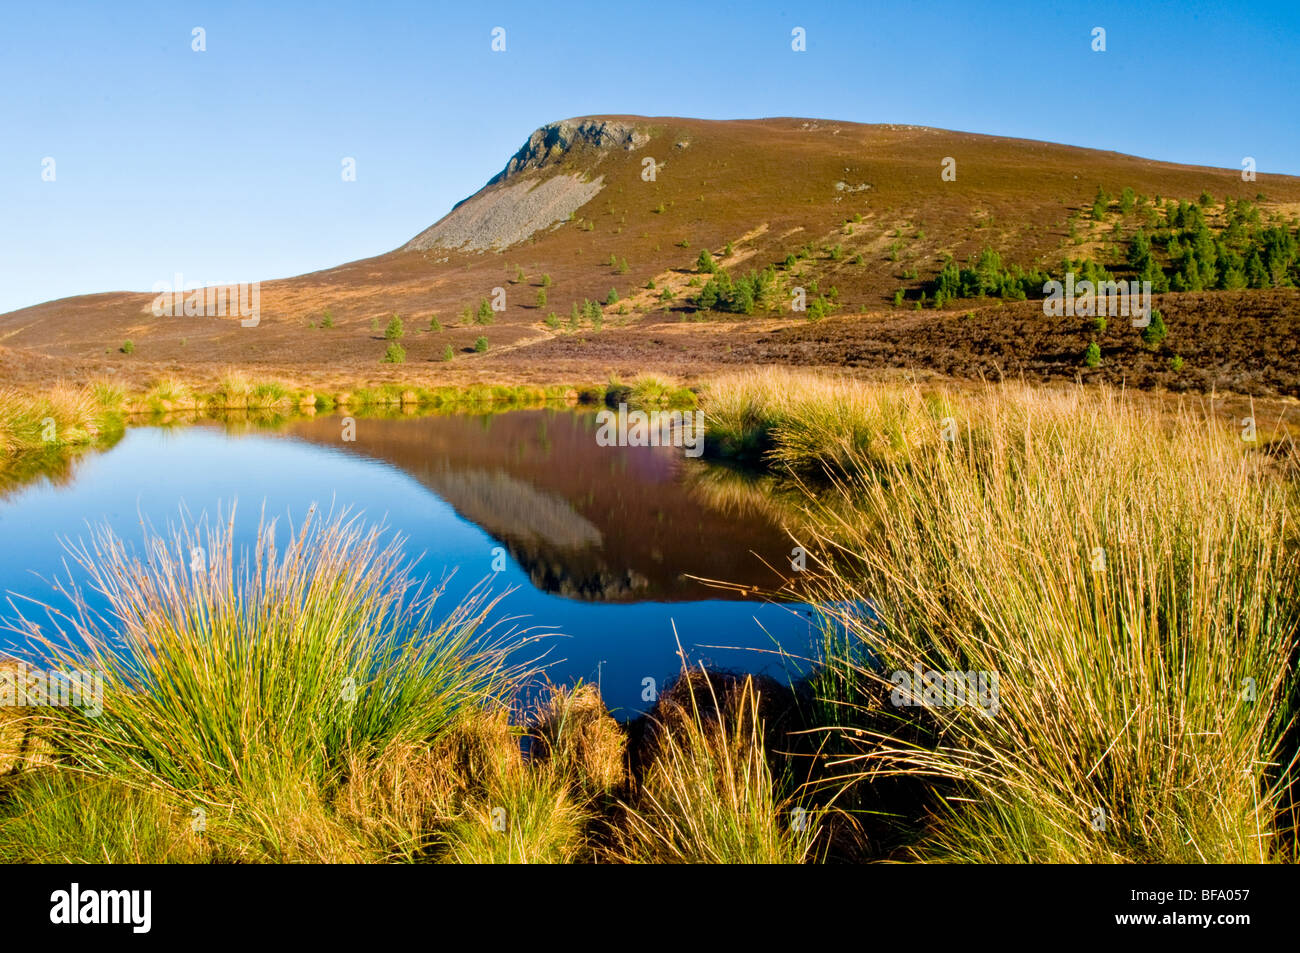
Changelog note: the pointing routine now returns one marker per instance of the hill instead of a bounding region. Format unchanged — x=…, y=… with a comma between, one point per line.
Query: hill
x=859, y=216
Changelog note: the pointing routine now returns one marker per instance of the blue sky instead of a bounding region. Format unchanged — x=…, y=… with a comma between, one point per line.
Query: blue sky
x=224, y=165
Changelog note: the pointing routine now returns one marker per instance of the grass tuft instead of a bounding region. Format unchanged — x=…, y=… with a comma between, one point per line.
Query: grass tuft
x=253, y=688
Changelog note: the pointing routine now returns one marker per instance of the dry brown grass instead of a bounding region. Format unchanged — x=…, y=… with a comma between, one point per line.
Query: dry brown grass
x=575, y=732
x=62, y=417
x=1121, y=575
x=21, y=746
x=707, y=793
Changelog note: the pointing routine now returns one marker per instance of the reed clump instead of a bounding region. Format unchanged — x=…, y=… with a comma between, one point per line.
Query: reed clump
x=1127, y=583
x=708, y=793
x=300, y=700
x=250, y=686
x=64, y=417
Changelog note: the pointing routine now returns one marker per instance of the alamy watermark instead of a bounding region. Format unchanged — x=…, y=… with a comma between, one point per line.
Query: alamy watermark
x=1088, y=299
x=129, y=907
x=934, y=689
x=198, y=300
x=22, y=686
x=656, y=428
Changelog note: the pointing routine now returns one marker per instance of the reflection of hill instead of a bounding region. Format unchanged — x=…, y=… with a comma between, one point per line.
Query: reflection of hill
x=505, y=506
x=588, y=522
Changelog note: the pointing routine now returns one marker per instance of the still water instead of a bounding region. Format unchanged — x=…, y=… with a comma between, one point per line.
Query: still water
x=598, y=543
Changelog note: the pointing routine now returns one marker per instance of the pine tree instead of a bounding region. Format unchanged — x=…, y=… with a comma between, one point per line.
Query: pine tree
x=1099, y=204
x=1139, y=251
x=1155, y=332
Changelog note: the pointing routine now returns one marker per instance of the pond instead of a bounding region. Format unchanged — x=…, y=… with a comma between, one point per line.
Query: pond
x=604, y=546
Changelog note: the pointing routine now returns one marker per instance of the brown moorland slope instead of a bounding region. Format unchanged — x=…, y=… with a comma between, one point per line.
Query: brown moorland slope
x=865, y=205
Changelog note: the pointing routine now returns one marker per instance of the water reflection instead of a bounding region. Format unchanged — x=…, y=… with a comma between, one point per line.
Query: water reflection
x=610, y=524
x=598, y=543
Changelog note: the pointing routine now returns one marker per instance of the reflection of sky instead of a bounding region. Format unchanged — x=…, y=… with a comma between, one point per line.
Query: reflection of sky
x=152, y=473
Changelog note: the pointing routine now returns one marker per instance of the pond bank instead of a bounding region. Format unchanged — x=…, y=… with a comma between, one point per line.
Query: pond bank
x=1122, y=580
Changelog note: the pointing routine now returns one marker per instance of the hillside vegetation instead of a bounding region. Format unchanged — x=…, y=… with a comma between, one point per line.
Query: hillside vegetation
x=626, y=244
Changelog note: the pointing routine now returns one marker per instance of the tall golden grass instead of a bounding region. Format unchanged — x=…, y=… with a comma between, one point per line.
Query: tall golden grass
x=300, y=701
x=1129, y=575
x=1131, y=578
x=249, y=685
x=708, y=794
x=64, y=417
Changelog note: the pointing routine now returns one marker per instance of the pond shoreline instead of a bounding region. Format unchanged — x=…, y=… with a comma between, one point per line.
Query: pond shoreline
x=1107, y=569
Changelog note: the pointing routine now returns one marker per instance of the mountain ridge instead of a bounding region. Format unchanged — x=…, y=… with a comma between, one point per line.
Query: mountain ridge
x=572, y=215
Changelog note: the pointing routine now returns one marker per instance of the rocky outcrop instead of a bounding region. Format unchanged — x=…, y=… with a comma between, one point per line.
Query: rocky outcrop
x=557, y=139
x=515, y=205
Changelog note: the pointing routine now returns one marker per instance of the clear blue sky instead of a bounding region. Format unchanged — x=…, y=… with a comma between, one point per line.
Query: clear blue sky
x=225, y=165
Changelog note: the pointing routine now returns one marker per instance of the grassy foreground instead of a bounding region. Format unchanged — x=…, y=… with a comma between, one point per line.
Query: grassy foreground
x=1130, y=579
x=1128, y=582
x=303, y=702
